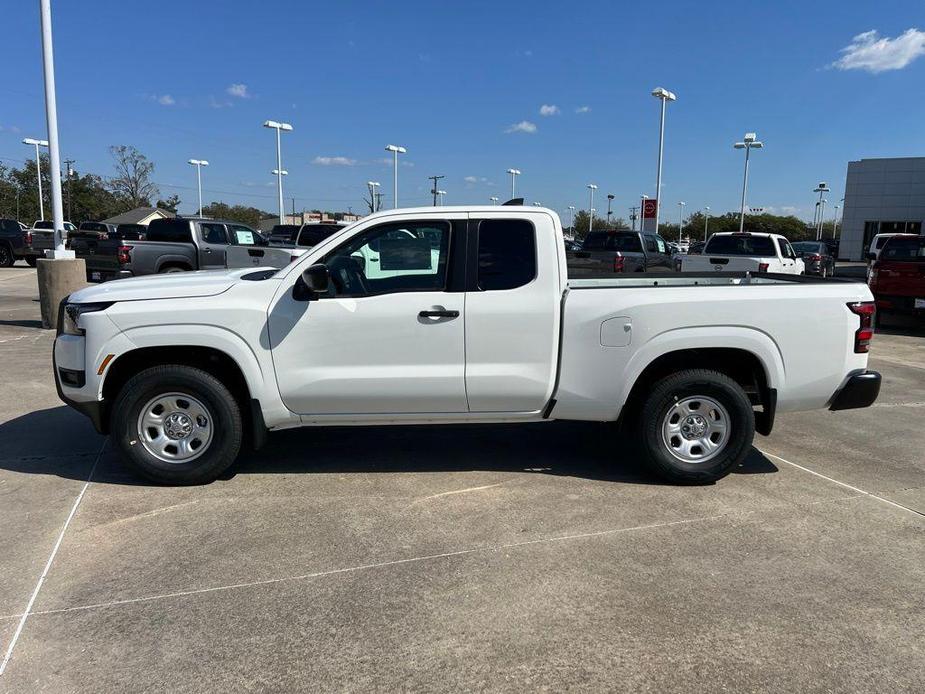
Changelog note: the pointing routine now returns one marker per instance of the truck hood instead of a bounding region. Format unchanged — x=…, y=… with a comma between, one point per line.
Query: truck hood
x=174, y=285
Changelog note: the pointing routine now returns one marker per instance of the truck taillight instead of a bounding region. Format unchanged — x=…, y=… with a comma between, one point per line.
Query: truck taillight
x=815, y=258
x=124, y=254
x=763, y=267
x=865, y=333
x=619, y=263
x=28, y=238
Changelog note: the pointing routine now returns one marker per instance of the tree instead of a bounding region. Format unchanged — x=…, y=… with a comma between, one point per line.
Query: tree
x=235, y=213
x=170, y=204
x=132, y=182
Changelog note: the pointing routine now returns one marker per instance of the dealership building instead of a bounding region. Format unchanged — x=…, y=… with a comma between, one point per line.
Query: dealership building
x=881, y=196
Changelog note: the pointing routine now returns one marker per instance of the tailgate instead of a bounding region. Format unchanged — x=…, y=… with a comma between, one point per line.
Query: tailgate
x=599, y=263
x=258, y=256
x=718, y=263
x=98, y=254
x=901, y=279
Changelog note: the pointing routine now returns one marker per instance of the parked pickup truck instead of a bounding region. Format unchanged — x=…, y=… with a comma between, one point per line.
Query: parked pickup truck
x=180, y=369
x=607, y=252
x=745, y=252
x=286, y=243
x=897, y=277
x=16, y=244
x=170, y=245
x=43, y=235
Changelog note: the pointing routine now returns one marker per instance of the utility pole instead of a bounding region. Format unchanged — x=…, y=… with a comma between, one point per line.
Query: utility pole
x=69, y=173
x=610, y=197
x=633, y=216
x=434, y=189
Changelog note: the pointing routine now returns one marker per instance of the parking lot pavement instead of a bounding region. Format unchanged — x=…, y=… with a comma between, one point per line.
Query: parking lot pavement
x=446, y=558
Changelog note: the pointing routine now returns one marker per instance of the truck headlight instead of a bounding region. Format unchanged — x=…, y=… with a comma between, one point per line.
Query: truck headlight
x=72, y=313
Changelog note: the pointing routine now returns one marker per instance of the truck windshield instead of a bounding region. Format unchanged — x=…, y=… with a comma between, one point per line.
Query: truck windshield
x=904, y=249
x=740, y=245
x=612, y=241
x=314, y=234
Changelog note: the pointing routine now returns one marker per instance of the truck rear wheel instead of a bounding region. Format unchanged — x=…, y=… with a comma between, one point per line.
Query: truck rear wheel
x=696, y=426
x=31, y=260
x=6, y=256
x=177, y=425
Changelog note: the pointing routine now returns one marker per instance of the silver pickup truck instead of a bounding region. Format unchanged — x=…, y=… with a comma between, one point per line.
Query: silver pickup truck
x=286, y=243
x=606, y=253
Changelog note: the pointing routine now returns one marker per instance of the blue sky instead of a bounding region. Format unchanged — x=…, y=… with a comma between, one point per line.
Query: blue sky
x=449, y=80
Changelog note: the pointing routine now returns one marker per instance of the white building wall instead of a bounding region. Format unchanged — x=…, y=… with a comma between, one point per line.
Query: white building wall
x=880, y=190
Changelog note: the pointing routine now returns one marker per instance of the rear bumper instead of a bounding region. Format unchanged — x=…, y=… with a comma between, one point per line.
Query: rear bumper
x=860, y=390
x=97, y=275
x=905, y=305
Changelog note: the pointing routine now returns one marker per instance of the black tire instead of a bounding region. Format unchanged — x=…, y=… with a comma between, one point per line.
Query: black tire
x=172, y=268
x=224, y=419
x=31, y=260
x=693, y=384
x=6, y=256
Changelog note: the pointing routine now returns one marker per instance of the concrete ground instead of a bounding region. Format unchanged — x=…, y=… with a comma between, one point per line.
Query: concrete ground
x=462, y=558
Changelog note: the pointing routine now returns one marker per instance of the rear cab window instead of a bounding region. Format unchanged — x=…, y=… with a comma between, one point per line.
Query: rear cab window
x=506, y=254
x=171, y=230
x=612, y=241
x=905, y=249
x=313, y=234
x=740, y=244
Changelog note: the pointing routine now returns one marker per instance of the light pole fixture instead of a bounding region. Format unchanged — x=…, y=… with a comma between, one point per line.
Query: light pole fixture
x=199, y=163
x=442, y=195
x=822, y=189
x=494, y=199
x=749, y=142
x=706, y=221
x=571, y=217
x=642, y=212
x=664, y=96
x=38, y=169
x=680, y=219
x=591, y=188
x=537, y=203
x=514, y=174
x=610, y=197
x=395, y=150
x=279, y=128
x=373, y=195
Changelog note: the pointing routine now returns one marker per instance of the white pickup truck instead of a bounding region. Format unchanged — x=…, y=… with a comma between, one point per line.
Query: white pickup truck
x=745, y=252
x=470, y=317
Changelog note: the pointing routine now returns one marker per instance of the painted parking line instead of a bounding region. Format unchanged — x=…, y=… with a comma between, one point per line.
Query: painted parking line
x=863, y=492
x=51, y=558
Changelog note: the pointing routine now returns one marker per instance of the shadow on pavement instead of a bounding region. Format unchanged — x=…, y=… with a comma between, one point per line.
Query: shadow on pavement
x=63, y=443
x=23, y=323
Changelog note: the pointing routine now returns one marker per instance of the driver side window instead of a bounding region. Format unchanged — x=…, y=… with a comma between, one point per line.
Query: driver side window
x=396, y=257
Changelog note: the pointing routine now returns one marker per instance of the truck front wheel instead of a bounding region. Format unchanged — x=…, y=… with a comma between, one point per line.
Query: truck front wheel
x=177, y=425
x=696, y=426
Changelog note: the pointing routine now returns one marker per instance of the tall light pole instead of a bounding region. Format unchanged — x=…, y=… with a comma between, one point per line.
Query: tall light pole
x=38, y=171
x=835, y=221
x=642, y=213
x=822, y=189
x=664, y=96
x=395, y=150
x=610, y=197
x=442, y=194
x=680, y=219
x=571, y=218
x=633, y=216
x=373, y=195
x=199, y=163
x=279, y=127
x=749, y=142
x=591, y=189
x=821, y=219
x=706, y=222
x=494, y=199
x=514, y=174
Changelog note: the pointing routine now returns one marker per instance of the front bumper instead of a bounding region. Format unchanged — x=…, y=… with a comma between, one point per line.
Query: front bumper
x=95, y=410
x=860, y=390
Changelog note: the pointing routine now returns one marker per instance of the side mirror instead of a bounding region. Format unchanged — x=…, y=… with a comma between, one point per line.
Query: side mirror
x=313, y=281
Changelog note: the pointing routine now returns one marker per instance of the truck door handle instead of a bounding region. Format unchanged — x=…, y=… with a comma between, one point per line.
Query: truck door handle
x=438, y=312
x=206, y=250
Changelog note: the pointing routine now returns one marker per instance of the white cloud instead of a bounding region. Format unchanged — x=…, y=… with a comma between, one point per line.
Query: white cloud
x=387, y=161
x=471, y=179
x=873, y=53
x=238, y=90
x=165, y=100
x=334, y=161
x=583, y=109
x=10, y=129
x=523, y=126
x=549, y=110
x=215, y=103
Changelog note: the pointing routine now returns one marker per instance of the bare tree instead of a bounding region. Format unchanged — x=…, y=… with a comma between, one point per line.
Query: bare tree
x=132, y=181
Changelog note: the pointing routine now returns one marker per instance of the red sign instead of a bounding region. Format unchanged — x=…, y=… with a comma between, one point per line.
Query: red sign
x=648, y=209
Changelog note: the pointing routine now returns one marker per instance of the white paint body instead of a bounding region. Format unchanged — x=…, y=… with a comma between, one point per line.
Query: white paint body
x=509, y=354
x=786, y=264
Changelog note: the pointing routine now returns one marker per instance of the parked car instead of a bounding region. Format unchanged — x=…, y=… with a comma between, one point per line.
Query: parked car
x=16, y=244
x=170, y=245
x=177, y=368
x=43, y=235
x=897, y=277
x=286, y=243
x=876, y=245
x=817, y=257
x=741, y=252
x=604, y=253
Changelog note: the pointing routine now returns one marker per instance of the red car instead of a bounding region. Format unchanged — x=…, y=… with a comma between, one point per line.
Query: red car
x=897, y=277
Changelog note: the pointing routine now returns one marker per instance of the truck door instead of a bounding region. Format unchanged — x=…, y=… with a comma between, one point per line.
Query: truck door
x=512, y=312
x=387, y=338
x=213, y=243
x=788, y=257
